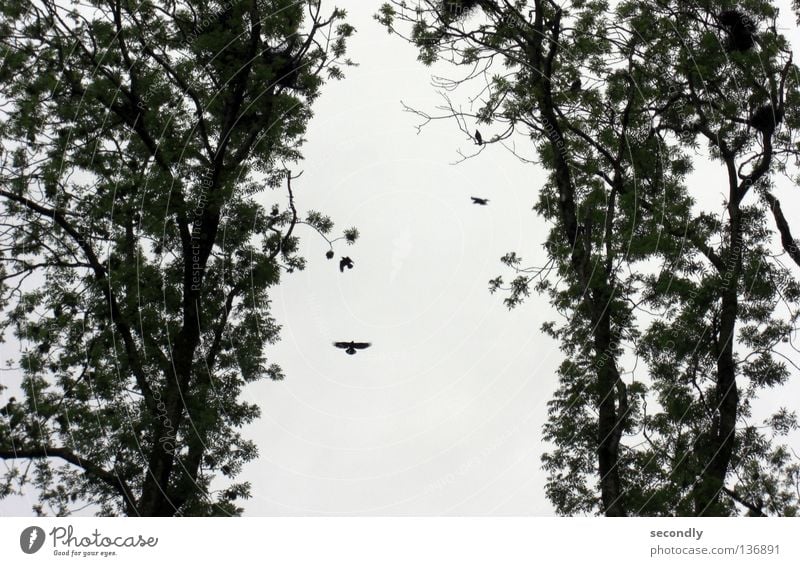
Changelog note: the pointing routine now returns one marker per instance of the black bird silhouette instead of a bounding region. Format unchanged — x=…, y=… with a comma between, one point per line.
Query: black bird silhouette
x=741, y=30
x=345, y=262
x=480, y=201
x=575, y=86
x=478, y=138
x=329, y=254
x=351, y=347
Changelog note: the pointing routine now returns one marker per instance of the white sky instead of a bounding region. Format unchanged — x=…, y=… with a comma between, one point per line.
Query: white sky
x=443, y=415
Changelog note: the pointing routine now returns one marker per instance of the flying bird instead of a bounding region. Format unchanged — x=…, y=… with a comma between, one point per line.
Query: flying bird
x=351, y=347
x=480, y=201
x=345, y=262
x=478, y=138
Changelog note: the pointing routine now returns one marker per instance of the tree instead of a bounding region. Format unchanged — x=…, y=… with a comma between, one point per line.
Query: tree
x=140, y=141
x=665, y=436
x=737, y=305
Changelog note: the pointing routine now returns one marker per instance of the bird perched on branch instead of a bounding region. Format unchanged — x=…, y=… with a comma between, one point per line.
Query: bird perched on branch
x=351, y=347
x=478, y=138
x=480, y=201
x=345, y=262
x=575, y=86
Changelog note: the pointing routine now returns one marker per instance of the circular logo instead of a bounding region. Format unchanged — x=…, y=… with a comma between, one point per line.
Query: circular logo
x=31, y=540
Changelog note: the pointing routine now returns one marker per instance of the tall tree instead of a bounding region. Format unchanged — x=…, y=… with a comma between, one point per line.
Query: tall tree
x=142, y=142
x=610, y=101
x=733, y=88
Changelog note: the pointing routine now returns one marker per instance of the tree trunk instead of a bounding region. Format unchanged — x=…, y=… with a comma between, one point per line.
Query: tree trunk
x=716, y=453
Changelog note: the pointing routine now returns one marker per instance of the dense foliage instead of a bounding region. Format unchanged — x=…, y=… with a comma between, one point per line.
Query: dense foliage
x=143, y=146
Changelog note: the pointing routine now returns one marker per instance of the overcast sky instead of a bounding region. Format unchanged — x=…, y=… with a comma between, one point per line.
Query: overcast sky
x=443, y=415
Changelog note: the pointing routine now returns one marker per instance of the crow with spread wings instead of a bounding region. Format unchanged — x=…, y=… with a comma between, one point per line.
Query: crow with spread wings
x=351, y=347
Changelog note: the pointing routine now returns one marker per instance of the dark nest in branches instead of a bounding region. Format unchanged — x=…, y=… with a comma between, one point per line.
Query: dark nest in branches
x=766, y=119
x=740, y=29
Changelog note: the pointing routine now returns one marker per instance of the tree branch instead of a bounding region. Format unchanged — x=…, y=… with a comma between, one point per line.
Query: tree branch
x=102, y=277
x=787, y=240
x=109, y=478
